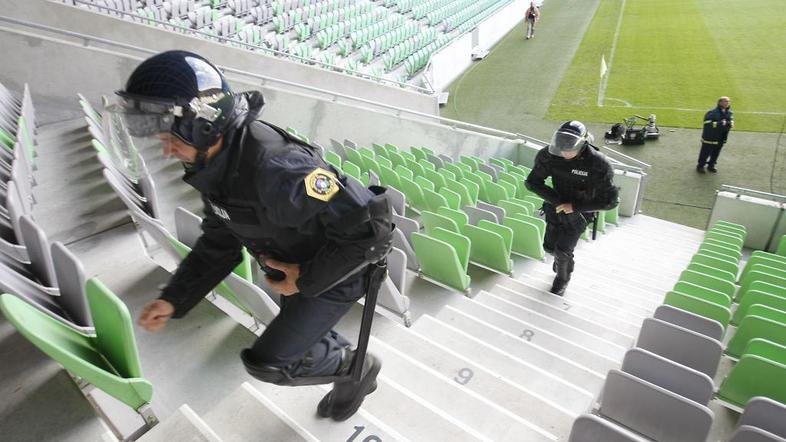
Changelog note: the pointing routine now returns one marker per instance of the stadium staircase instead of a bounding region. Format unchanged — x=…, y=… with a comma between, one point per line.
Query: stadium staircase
x=665, y=333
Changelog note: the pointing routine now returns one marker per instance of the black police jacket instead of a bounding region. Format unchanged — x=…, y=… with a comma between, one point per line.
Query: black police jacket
x=714, y=131
x=585, y=181
x=276, y=196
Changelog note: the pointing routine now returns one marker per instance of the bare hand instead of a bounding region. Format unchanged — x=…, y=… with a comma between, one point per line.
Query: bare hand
x=155, y=315
x=286, y=286
x=566, y=208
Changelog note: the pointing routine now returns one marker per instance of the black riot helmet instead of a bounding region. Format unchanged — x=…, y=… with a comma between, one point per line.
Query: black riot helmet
x=571, y=137
x=178, y=92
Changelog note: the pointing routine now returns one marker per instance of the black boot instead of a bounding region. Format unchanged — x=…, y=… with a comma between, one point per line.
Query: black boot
x=347, y=396
x=563, y=266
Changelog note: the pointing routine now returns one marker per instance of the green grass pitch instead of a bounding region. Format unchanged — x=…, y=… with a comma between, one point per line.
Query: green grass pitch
x=674, y=58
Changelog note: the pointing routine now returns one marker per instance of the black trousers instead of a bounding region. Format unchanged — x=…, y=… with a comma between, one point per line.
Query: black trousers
x=300, y=339
x=709, y=154
x=560, y=233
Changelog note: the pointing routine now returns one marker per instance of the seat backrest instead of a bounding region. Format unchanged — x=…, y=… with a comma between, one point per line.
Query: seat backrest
x=691, y=321
x=700, y=291
x=591, y=428
x=71, y=282
x=38, y=251
x=456, y=240
x=767, y=414
x=653, y=411
x=747, y=433
x=188, y=226
x=397, y=199
x=680, y=345
x=433, y=220
x=711, y=282
x=668, y=374
x=476, y=214
x=114, y=329
x=498, y=211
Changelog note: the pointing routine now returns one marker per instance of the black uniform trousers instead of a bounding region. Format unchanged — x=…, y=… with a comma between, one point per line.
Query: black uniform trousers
x=709, y=154
x=563, y=232
x=300, y=339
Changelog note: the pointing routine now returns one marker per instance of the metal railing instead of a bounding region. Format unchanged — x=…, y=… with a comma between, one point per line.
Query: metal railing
x=767, y=196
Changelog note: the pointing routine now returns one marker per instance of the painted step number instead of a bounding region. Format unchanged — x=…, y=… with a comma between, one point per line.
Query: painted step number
x=359, y=429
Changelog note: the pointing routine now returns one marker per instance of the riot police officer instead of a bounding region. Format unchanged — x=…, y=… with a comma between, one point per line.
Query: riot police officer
x=582, y=184
x=313, y=231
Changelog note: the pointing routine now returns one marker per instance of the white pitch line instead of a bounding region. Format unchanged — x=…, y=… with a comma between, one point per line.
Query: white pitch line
x=605, y=80
x=630, y=106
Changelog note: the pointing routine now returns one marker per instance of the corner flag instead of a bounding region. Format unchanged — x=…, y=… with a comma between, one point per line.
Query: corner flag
x=603, y=67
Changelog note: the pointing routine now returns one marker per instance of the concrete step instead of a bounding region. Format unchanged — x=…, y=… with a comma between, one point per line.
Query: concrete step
x=579, y=291
x=558, y=365
x=630, y=269
x=182, y=426
x=667, y=227
x=533, y=394
x=572, y=312
x=623, y=276
x=606, y=283
x=248, y=414
x=584, y=349
x=475, y=411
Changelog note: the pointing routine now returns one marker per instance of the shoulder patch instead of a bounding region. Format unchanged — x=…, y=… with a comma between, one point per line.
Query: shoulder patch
x=321, y=184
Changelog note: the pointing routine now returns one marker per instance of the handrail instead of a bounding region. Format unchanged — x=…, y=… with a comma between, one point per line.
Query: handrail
x=399, y=111
x=642, y=164
x=145, y=20
x=751, y=192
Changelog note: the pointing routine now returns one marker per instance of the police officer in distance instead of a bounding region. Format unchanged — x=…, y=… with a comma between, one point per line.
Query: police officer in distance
x=582, y=179
x=313, y=231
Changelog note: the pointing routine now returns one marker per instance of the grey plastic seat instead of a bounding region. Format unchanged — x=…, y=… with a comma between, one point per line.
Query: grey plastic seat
x=765, y=413
x=680, y=345
x=445, y=159
x=71, y=282
x=591, y=428
x=188, y=226
x=392, y=294
x=747, y=433
x=670, y=375
x=38, y=251
x=438, y=162
x=705, y=326
x=483, y=167
x=397, y=199
x=476, y=214
x=496, y=210
x=654, y=411
x=13, y=206
x=401, y=242
x=338, y=147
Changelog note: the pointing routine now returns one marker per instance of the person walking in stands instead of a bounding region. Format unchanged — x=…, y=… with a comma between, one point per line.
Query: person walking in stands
x=583, y=184
x=531, y=16
x=313, y=231
x=718, y=122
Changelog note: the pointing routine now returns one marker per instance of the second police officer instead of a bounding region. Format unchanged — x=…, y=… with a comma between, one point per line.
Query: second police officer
x=314, y=231
x=582, y=184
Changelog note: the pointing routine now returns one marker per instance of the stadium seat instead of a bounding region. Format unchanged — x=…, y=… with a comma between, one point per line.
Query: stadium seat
x=653, y=411
x=756, y=275
x=460, y=218
x=444, y=261
x=712, y=271
x=699, y=306
x=700, y=324
x=724, y=249
x=109, y=360
x=499, y=212
x=761, y=371
x=714, y=261
x=746, y=433
x=489, y=249
x=669, y=375
x=754, y=297
x=475, y=214
x=766, y=414
x=527, y=240
x=591, y=428
x=781, y=246
x=764, y=258
x=452, y=198
x=732, y=240
x=709, y=282
x=760, y=321
x=680, y=345
x=434, y=200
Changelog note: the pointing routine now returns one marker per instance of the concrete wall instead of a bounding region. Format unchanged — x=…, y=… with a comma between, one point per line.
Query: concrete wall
x=497, y=26
x=630, y=185
x=759, y=216
x=75, y=19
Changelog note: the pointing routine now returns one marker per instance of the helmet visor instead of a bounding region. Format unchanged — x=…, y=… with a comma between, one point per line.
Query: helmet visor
x=565, y=142
x=144, y=118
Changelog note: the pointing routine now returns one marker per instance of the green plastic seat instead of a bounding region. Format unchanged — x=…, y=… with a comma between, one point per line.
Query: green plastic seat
x=512, y=207
x=425, y=183
x=760, y=322
x=353, y=156
x=730, y=225
x=755, y=274
x=436, y=178
x=729, y=231
x=443, y=257
x=469, y=161
x=384, y=162
x=351, y=169
x=613, y=215
x=414, y=194
x=767, y=259
x=496, y=192
x=473, y=188
x=389, y=177
x=416, y=168
x=397, y=158
x=699, y=306
x=366, y=152
x=461, y=190
x=333, y=159
x=716, y=262
x=539, y=223
x=371, y=164
x=405, y=172
x=427, y=165
x=701, y=292
x=761, y=371
x=711, y=271
x=529, y=205
x=433, y=220
x=456, y=170
x=489, y=249
x=730, y=253
x=510, y=178
x=510, y=189
x=527, y=240
x=434, y=200
x=754, y=297
x=769, y=288
x=499, y=162
x=417, y=152
x=481, y=183
x=379, y=150
x=732, y=240
x=458, y=216
x=781, y=251
x=711, y=282
x=109, y=360
x=447, y=174
x=452, y=198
